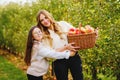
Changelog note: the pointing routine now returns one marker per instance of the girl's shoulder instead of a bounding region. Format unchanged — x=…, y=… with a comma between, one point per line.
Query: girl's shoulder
x=36, y=45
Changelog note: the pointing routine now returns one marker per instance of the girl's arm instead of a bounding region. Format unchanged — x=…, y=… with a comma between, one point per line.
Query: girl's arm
x=50, y=53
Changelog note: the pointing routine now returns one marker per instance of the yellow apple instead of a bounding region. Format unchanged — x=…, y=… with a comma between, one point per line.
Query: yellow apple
x=83, y=30
x=89, y=29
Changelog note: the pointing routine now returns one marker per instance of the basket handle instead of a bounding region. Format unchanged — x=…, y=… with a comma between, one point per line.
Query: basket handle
x=80, y=25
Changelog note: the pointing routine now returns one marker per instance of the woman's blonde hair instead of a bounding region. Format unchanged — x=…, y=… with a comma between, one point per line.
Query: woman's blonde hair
x=45, y=30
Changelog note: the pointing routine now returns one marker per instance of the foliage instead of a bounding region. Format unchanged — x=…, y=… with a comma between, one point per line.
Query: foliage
x=17, y=19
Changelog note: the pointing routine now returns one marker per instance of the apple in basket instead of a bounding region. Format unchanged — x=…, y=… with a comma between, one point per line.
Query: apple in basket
x=71, y=31
x=77, y=31
x=82, y=30
x=89, y=29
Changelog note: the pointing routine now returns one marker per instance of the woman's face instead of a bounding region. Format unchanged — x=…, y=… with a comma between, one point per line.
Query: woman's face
x=44, y=20
x=37, y=34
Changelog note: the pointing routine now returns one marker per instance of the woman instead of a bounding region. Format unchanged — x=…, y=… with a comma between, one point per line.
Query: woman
x=55, y=35
x=36, y=54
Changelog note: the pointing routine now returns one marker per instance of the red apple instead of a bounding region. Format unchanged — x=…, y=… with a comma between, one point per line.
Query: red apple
x=72, y=29
x=77, y=31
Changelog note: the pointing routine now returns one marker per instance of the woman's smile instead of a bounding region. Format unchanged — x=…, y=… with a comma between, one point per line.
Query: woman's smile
x=45, y=21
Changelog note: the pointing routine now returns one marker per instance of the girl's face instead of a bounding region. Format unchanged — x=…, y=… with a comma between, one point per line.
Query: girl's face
x=44, y=20
x=37, y=34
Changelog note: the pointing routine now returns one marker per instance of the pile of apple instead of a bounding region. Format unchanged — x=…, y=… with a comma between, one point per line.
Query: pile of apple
x=81, y=30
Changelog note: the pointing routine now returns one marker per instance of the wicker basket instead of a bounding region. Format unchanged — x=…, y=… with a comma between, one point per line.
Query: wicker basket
x=84, y=41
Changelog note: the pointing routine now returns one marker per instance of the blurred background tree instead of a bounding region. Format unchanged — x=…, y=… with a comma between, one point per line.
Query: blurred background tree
x=16, y=20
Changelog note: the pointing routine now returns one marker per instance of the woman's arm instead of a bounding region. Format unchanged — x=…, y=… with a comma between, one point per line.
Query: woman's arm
x=67, y=47
x=65, y=26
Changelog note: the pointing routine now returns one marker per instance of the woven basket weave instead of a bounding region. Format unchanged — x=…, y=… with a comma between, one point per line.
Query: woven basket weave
x=84, y=41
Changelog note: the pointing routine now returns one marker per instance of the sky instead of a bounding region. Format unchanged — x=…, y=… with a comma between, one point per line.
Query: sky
x=4, y=2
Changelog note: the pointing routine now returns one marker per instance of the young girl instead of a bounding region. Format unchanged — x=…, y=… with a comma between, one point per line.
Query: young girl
x=36, y=54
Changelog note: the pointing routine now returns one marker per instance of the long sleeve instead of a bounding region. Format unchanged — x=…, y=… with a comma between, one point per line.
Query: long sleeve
x=52, y=54
x=49, y=53
x=65, y=26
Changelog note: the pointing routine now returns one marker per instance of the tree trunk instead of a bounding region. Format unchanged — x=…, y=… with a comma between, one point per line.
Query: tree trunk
x=118, y=76
x=94, y=73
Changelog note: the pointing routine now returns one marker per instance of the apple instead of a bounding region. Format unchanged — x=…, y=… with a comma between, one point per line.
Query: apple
x=83, y=30
x=89, y=29
x=72, y=31
x=77, y=31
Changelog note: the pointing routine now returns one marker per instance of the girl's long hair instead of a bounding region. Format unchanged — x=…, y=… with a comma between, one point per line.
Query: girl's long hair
x=29, y=46
x=44, y=29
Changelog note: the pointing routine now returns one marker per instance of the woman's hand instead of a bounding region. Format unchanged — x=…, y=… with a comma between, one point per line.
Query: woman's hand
x=96, y=31
x=67, y=47
x=72, y=53
x=71, y=47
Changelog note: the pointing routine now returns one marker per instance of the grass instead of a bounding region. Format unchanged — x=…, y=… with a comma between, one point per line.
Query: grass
x=8, y=71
